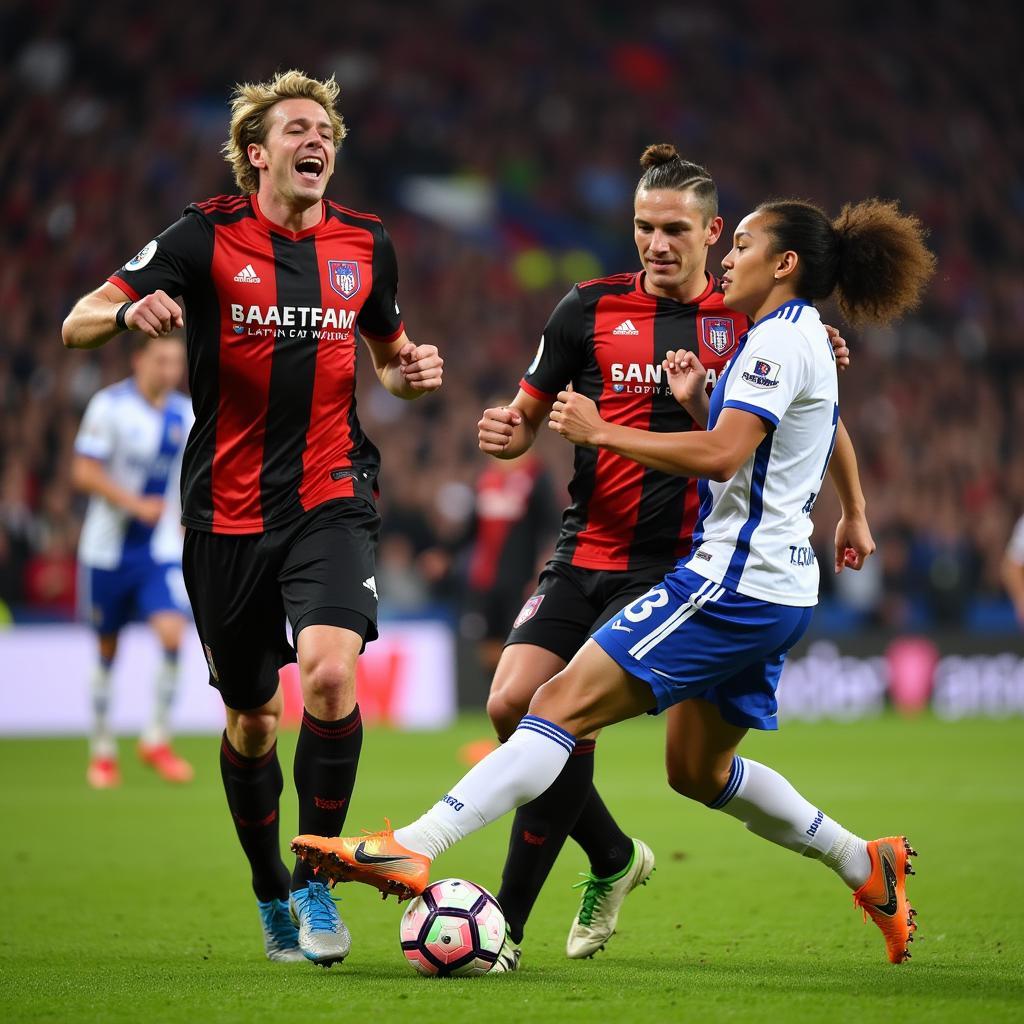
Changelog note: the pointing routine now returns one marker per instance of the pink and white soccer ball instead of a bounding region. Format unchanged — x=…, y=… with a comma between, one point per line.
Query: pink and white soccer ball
x=454, y=928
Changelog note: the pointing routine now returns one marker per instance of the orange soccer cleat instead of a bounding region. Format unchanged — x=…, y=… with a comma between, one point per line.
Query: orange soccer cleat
x=165, y=762
x=375, y=858
x=884, y=895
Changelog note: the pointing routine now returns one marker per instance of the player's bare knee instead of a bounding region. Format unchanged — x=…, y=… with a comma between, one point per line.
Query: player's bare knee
x=694, y=782
x=329, y=689
x=559, y=701
x=252, y=733
x=505, y=712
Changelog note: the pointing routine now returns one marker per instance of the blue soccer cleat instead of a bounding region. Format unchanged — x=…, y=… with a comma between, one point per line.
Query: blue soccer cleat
x=323, y=937
x=280, y=936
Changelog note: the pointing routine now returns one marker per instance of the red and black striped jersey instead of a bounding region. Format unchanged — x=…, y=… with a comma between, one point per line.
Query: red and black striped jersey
x=515, y=511
x=271, y=330
x=608, y=338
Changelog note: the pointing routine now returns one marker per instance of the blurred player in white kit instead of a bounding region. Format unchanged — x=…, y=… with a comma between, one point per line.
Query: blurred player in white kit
x=128, y=460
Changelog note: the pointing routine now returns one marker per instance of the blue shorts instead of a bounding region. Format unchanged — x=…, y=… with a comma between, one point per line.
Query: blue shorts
x=111, y=598
x=690, y=637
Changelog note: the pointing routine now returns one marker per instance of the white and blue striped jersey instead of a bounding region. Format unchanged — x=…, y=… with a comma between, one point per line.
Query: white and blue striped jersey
x=140, y=447
x=753, y=531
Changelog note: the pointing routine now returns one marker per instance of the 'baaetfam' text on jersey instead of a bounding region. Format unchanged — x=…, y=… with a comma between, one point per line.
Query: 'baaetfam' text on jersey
x=272, y=319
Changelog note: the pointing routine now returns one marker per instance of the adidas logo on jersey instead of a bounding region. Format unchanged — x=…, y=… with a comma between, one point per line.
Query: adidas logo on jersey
x=371, y=585
x=626, y=327
x=247, y=275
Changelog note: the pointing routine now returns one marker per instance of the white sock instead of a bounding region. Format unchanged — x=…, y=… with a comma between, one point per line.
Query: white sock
x=848, y=857
x=770, y=807
x=517, y=772
x=101, y=741
x=158, y=731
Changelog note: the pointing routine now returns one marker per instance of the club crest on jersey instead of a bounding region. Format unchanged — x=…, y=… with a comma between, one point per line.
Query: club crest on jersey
x=719, y=334
x=528, y=610
x=344, y=276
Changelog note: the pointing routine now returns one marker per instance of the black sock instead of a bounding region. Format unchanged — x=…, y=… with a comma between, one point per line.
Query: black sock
x=538, y=834
x=253, y=786
x=607, y=846
x=326, y=759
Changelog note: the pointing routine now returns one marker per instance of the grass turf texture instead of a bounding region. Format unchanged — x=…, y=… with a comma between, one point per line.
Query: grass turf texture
x=134, y=904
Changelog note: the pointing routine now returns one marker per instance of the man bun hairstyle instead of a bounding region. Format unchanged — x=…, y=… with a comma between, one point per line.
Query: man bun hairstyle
x=872, y=256
x=250, y=102
x=664, y=167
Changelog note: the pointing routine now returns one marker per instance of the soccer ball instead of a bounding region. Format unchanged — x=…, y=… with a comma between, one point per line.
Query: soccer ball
x=452, y=929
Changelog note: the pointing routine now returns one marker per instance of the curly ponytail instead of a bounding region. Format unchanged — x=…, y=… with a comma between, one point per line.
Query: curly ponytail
x=871, y=255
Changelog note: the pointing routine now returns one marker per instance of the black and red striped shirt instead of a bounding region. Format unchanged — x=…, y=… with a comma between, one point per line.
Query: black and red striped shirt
x=515, y=510
x=608, y=338
x=271, y=329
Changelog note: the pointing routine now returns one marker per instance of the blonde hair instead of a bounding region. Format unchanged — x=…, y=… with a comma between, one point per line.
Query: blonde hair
x=250, y=102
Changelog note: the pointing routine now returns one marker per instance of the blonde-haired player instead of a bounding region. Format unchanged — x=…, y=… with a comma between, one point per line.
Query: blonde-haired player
x=278, y=478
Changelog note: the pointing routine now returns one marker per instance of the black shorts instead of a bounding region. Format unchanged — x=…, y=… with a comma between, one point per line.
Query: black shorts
x=316, y=570
x=498, y=606
x=570, y=602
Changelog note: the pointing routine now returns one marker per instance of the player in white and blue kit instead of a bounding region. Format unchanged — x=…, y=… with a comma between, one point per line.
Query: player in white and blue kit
x=709, y=641
x=128, y=459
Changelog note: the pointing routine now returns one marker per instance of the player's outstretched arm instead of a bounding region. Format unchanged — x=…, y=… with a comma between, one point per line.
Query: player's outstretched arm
x=854, y=543
x=714, y=454
x=89, y=476
x=408, y=371
x=506, y=431
x=94, y=319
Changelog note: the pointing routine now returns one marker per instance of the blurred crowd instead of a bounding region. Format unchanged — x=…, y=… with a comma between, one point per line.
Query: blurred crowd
x=499, y=142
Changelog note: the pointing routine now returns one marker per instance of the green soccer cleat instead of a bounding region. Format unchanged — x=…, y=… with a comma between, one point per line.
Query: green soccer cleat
x=602, y=900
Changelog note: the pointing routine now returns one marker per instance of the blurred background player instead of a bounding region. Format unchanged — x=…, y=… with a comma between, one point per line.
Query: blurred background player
x=513, y=521
x=627, y=524
x=278, y=478
x=1013, y=570
x=128, y=460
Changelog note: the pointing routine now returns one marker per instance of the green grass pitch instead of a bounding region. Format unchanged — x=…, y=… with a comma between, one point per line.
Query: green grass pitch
x=134, y=905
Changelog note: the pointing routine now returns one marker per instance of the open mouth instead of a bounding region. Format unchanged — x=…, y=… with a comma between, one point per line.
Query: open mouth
x=310, y=167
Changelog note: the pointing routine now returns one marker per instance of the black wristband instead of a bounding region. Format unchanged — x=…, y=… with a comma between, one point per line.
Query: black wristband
x=119, y=316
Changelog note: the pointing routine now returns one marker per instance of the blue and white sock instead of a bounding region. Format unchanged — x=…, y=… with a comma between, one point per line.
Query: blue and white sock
x=101, y=740
x=770, y=807
x=517, y=772
x=158, y=731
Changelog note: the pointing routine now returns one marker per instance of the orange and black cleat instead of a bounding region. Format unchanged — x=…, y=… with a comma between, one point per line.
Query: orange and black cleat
x=375, y=858
x=884, y=895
